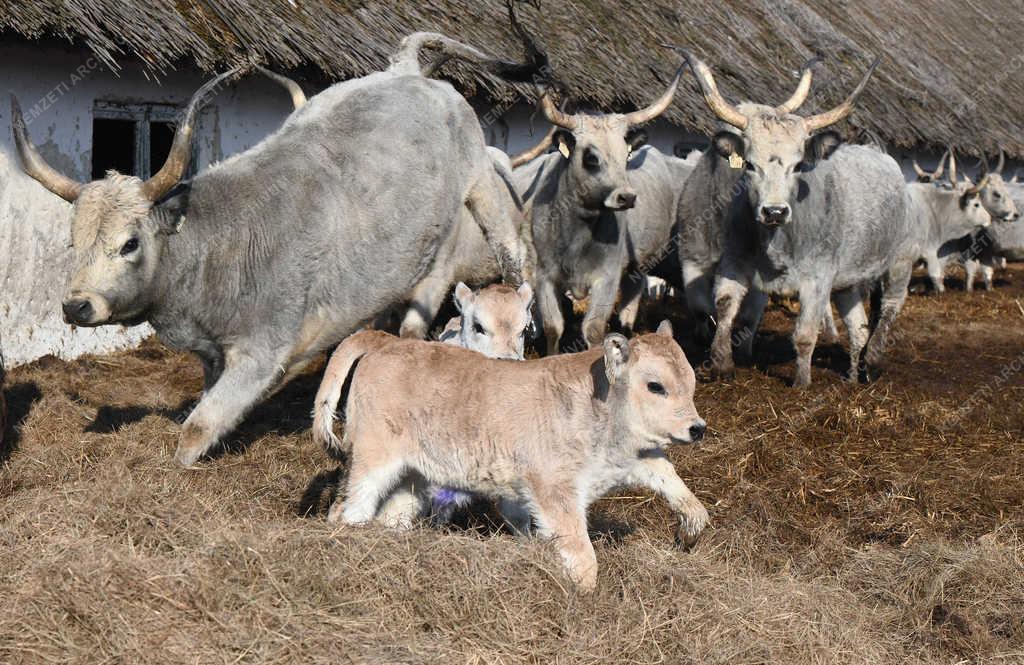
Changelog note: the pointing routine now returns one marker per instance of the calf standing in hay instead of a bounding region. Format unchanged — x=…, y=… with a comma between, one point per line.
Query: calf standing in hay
x=553, y=434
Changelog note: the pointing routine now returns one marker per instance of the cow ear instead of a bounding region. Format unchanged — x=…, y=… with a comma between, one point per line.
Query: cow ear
x=727, y=144
x=636, y=137
x=525, y=293
x=821, y=146
x=463, y=296
x=616, y=355
x=665, y=329
x=173, y=209
x=565, y=141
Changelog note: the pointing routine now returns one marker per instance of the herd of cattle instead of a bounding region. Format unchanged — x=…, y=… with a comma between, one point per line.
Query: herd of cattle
x=381, y=191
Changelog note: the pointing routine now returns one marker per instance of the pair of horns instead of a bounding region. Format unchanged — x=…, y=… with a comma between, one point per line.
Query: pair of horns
x=638, y=117
x=177, y=159
x=973, y=188
x=730, y=114
x=931, y=176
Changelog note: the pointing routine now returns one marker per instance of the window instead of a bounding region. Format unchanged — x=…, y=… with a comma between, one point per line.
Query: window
x=133, y=138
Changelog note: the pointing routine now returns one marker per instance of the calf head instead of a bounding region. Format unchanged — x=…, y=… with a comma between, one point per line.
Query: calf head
x=655, y=382
x=598, y=146
x=117, y=233
x=496, y=319
x=774, y=144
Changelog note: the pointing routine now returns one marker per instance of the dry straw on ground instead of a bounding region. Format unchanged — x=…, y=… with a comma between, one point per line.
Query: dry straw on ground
x=852, y=524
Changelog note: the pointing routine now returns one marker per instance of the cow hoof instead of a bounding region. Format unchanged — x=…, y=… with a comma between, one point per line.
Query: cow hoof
x=186, y=457
x=801, y=381
x=724, y=373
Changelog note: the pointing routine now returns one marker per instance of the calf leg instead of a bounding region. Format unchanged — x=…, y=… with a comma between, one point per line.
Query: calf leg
x=558, y=516
x=632, y=288
x=729, y=293
x=602, y=301
x=813, y=300
x=516, y=516
x=368, y=483
x=987, y=272
x=405, y=504
x=970, y=270
x=658, y=475
x=851, y=308
x=245, y=380
x=551, y=315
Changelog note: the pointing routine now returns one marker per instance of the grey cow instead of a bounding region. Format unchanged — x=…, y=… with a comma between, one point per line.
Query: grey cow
x=574, y=200
x=838, y=225
x=1004, y=199
x=264, y=260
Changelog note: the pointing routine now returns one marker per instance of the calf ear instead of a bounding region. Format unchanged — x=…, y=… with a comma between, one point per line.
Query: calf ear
x=665, y=329
x=616, y=355
x=525, y=293
x=821, y=146
x=636, y=137
x=565, y=141
x=727, y=144
x=463, y=296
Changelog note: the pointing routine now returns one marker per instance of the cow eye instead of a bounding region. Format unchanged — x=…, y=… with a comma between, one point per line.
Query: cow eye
x=750, y=167
x=656, y=388
x=478, y=329
x=591, y=159
x=997, y=195
x=130, y=246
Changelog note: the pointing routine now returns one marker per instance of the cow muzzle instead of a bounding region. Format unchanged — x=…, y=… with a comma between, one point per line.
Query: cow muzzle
x=774, y=215
x=621, y=199
x=85, y=310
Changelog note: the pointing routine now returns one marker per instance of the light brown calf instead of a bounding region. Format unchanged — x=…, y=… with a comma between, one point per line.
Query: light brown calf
x=553, y=434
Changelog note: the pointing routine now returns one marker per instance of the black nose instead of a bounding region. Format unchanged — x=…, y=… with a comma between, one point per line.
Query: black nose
x=774, y=214
x=697, y=431
x=626, y=200
x=77, y=310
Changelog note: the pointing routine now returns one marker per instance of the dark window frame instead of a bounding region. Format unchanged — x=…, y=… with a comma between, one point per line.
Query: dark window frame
x=143, y=114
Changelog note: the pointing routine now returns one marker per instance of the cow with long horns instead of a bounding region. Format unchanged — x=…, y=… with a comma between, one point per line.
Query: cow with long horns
x=813, y=228
x=260, y=262
x=574, y=199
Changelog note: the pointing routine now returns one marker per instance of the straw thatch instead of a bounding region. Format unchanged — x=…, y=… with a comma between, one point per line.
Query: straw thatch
x=953, y=72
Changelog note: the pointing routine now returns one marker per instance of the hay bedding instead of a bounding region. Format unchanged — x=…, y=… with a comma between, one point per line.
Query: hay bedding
x=850, y=524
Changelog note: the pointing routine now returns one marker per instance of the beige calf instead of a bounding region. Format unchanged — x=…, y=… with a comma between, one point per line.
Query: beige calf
x=553, y=434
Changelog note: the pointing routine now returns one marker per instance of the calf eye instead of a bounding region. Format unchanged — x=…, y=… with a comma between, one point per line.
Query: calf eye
x=478, y=329
x=656, y=388
x=130, y=246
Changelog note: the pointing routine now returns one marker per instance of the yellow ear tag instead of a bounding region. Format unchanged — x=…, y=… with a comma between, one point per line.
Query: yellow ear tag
x=564, y=149
x=735, y=161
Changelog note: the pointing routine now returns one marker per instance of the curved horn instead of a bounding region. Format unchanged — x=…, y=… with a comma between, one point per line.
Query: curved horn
x=536, y=151
x=33, y=163
x=922, y=175
x=706, y=80
x=952, y=167
x=941, y=167
x=554, y=116
x=799, y=96
x=658, y=107
x=298, y=97
x=1016, y=177
x=833, y=116
x=1001, y=163
x=181, y=149
x=982, y=183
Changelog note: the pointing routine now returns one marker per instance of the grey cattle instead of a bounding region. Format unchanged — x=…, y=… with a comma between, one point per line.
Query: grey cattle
x=264, y=260
x=943, y=216
x=574, y=199
x=1005, y=237
x=838, y=225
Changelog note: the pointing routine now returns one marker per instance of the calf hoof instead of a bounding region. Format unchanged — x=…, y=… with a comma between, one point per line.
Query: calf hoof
x=691, y=526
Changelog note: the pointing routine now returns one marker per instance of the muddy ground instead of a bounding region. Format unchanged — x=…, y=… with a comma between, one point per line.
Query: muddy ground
x=851, y=523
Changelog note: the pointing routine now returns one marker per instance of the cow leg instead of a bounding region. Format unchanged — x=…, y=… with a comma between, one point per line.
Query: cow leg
x=813, y=300
x=213, y=364
x=368, y=484
x=494, y=218
x=697, y=283
x=987, y=272
x=970, y=271
x=748, y=320
x=894, y=294
x=851, y=308
x=427, y=298
x=935, y=270
x=245, y=380
x=559, y=517
x=829, y=331
x=603, y=293
x=658, y=475
x=551, y=315
x=632, y=289
x=729, y=294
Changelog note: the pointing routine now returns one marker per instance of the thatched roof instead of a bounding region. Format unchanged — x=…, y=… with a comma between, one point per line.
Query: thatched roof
x=953, y=72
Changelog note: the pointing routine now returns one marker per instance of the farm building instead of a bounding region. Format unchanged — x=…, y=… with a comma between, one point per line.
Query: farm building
x=101, y=82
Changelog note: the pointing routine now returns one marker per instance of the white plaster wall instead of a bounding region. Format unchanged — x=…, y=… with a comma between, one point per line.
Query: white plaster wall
x=57, y=88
